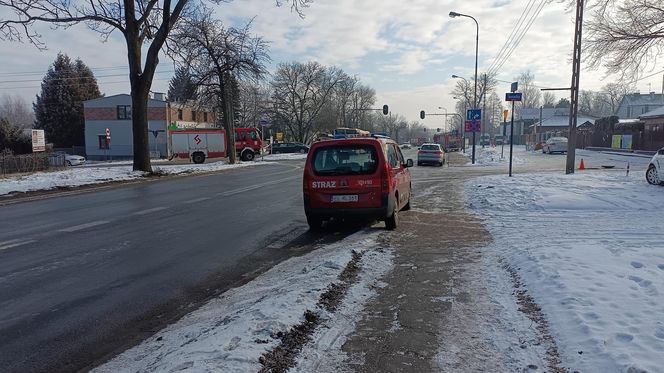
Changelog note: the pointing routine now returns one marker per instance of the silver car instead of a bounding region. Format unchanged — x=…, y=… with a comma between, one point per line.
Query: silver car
x=430, y=154
x=74, y=160
x=656, y=168
x=555, y=145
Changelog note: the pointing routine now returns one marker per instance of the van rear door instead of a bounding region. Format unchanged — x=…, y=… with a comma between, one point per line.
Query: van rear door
x=345, y=176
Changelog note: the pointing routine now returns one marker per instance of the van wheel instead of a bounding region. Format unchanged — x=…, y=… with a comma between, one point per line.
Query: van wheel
x=315, y=224
x=392, y=222
x=198, y=158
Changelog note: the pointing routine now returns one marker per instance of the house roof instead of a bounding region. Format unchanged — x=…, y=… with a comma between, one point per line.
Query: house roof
x=123, y=95
x=534, y=113
x=563, y=121
x=653, y=113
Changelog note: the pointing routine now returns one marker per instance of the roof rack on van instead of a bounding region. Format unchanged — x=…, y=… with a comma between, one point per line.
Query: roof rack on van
x=379, y=136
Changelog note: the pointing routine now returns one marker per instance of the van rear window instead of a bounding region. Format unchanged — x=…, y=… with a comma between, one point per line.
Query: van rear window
x=345, y=160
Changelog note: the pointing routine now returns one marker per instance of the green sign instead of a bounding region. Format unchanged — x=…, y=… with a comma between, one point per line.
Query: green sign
x=616, y=142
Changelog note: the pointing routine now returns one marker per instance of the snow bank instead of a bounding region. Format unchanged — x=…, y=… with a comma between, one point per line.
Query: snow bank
x=490, y=156
x=230, y=333
x=79, y=176
x=283, y=157
x=590, y=248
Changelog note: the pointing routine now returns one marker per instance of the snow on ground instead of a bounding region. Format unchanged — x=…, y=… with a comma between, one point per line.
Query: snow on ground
x=282, y=157
x=488, y=333
x=230, y=333
x=78, y=176
x=590, y=249
x=491, y=156
x=323, y=353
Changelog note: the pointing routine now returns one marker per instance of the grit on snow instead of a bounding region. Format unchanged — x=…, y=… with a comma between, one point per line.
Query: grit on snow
x=230, y=333
x=590, y=249
x=496, y=156
x=79, y=176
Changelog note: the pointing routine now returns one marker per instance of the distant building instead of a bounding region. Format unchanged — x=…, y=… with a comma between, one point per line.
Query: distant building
x=555, y=122
x=114, y=113
x=653, y=129
x=634, y=105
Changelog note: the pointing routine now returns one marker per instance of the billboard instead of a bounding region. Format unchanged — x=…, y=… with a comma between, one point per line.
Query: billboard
x=38, y=141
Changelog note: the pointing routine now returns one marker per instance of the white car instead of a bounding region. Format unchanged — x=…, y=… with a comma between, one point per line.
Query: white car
x=656, y=168
x=74, y=160
x=432, y=154
x=555, y=145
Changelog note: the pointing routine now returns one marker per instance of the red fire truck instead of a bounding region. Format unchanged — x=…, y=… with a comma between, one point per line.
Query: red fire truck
x=199, y=144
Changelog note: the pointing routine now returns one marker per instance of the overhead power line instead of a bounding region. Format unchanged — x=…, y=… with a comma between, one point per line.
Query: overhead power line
x=517, y=37
x=514, y=31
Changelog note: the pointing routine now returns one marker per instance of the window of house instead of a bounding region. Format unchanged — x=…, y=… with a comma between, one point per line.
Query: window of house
x=103, y=142
x=204, y=117
x=193, y=115
x=179, y=114
x=124, y=112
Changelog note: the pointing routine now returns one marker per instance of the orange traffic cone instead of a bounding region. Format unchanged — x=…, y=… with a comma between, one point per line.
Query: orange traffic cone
x=582, y=166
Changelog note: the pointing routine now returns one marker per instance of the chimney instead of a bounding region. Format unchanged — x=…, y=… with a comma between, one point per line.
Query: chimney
x=158, y=96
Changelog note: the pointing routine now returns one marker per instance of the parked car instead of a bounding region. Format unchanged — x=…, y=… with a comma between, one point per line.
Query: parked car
x=485, y=139
x=356, y=177
x=406, y=146
x=655, y=172
x=555, y=145
x=431, y=154
x=500, y=140
x=289, y=147
x=74, y=160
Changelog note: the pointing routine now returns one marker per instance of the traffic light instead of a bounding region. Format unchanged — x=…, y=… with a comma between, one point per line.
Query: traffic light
x=386, y=110
x=422, y=115
x=425, y=129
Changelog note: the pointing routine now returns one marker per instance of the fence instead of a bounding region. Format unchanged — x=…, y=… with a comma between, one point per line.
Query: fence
x=10, y=164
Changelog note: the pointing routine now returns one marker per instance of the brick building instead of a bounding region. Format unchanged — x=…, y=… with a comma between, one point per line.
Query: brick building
x=114, y=113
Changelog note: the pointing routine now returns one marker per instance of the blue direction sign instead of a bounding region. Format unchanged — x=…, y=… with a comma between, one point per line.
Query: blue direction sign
x=474, y=114
x=264, y=122
x=514, y=96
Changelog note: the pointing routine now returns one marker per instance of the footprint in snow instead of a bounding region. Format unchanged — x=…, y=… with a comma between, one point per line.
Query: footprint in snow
x=661, y=266
x=636, y=264
x=624, y=337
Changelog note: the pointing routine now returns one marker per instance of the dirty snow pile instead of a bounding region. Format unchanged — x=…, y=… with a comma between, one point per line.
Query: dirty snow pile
x=590, y=249
x=491, y=156
x=78, y=176
x=230, y=333
x=282, y=157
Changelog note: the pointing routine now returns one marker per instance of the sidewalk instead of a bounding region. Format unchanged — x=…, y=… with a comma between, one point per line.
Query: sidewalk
x=447, y=305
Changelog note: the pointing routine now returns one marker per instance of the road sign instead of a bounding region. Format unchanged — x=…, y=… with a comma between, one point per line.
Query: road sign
x=514, y=96
x=38, y=141
x=264, y=123
x=505, y=112
x=473, y=126
x=474, y=114
x=108, y=134
x=514, y=87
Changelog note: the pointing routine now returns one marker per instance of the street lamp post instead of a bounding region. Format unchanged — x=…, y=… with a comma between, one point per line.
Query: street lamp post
x=444, y=124
x=477, y=41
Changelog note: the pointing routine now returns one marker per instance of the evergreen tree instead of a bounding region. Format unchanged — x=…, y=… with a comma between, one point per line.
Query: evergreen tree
x=59, y=108
x=182, y=87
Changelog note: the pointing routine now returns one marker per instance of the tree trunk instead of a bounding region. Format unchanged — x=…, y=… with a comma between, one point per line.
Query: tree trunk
x=227, y=107
x=139, y=119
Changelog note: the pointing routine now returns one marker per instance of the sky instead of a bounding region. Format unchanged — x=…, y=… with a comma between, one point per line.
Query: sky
x=406, y=50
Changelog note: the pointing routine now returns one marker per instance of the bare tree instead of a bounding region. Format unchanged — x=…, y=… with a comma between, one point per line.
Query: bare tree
x=531, y=94
x=586, y=102
x=16, y=112
x=301, y=92
x=615, y=93
x=216, y=57
x=624, y=36
x=141, y=22
x=549, y=99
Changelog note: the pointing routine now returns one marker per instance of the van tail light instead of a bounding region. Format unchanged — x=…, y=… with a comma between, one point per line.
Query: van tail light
x=306, y=181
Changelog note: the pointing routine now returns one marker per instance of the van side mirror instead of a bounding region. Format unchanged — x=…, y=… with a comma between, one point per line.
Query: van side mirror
x=409, y=163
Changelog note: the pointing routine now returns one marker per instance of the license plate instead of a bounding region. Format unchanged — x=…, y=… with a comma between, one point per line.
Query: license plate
x=345, y=198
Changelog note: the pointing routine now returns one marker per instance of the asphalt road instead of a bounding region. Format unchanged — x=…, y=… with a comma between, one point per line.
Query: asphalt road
x=84, y=276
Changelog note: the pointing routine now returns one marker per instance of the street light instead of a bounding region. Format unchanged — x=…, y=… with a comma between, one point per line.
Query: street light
x=445, y=126
x=477, y=41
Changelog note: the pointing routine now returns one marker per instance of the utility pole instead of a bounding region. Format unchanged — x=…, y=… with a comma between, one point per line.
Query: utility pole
x=483, y=109
x=574, y=99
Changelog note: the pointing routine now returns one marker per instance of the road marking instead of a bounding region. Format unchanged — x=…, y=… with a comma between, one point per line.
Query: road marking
x=13, y=243
x=83, y=226
x=255, y=186
x=149, y=211
x=196, y=200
